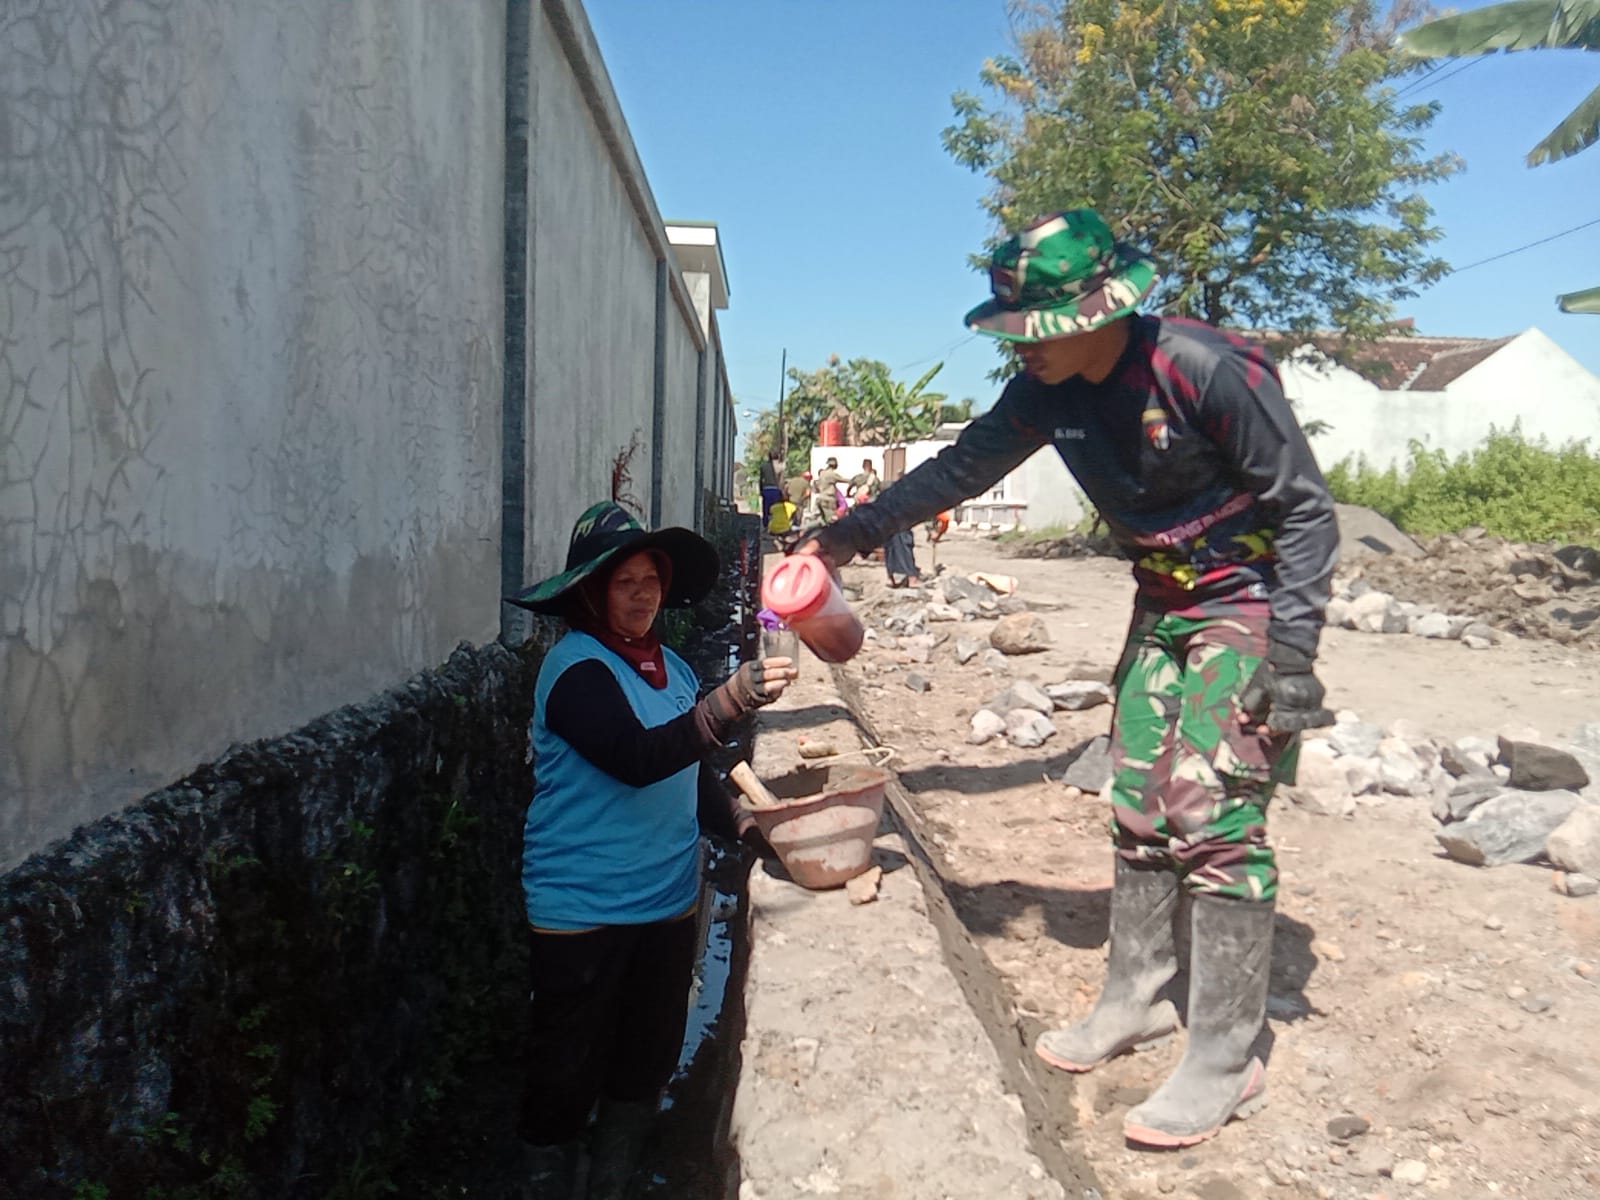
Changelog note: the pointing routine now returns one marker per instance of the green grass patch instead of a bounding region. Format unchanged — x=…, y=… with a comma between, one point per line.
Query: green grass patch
x=1515, y=488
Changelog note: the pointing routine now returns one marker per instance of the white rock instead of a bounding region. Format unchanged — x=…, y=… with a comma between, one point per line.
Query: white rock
x=1363, y=776
x=1027, y=728
x=1074, y=695
x=1368, y=612
x=1023, y=693
x=1338, y=614
x=1431, y=625
x=1410, y=1171
x=986, y=725
x=1474, y=642
x=1575, y=846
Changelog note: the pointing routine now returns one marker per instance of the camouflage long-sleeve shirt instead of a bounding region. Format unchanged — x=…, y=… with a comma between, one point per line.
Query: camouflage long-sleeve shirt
x=1191, y=455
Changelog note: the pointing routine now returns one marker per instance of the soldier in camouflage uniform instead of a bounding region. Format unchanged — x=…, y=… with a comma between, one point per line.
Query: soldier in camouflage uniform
x=1180, y=436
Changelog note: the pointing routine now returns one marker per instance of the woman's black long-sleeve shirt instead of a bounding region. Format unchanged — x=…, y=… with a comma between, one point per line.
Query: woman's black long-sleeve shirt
x=587, y=709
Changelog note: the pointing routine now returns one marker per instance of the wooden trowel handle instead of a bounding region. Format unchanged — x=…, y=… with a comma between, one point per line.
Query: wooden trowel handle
x=755, y=791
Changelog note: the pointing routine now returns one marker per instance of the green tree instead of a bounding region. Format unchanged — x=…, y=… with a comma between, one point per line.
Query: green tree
x=890, y=413
x=1528, y=25
x=1252, y=145
x=961, y=410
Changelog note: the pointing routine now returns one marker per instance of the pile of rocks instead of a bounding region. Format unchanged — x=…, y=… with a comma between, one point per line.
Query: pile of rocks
x=1020, y=712
x=1360, y=606
x=1526, y=588
x=1513, y=799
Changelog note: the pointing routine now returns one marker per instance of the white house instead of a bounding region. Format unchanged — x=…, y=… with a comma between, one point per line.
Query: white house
x=1037, y=494
x=1443, y=392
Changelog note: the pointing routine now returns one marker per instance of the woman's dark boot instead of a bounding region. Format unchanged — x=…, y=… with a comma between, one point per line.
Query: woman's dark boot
x=1142, y=960
x=1230, y=959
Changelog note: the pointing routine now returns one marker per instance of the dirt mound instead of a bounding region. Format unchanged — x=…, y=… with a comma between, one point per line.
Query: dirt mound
x=1542, y=591
x=1364, y=533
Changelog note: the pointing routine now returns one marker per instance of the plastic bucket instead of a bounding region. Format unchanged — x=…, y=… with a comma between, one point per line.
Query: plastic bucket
x=802, y=591
x=824, y=825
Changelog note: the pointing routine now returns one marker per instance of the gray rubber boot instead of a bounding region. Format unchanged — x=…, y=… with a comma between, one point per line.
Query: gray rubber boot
x=1230, y=960
x=615, y=1142
x=1140, y=962
x=552, y=1172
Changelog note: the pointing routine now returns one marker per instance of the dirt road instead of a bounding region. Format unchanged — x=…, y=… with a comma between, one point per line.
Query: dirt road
x=1450, y=1010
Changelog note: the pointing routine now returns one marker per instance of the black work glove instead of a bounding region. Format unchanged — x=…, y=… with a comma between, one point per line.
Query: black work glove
x=744, y=691
x=1283, y=694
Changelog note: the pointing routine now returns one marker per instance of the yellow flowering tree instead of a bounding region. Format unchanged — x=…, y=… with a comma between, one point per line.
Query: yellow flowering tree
x=1257, y=147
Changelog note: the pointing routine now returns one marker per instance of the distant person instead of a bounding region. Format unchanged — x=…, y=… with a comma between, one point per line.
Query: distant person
x=1182, y=439
x=771, y=491
x=900, y=560
x=827, y=486
x=798, y=489
x=866, y=486
x=938, y=527
x=611, y=860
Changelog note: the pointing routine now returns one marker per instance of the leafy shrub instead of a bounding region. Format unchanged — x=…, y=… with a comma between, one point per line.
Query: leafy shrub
x=1515, y=488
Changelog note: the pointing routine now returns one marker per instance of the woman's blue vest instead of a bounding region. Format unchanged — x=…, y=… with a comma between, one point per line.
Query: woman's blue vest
x=597, y=851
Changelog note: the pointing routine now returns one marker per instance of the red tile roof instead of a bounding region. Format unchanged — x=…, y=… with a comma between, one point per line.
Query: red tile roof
x=1405, y=363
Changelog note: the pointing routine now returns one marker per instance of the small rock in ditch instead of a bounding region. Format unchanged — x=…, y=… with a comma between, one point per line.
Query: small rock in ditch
x=1537, y=1004
x=917, y=683
x=967, y=650
x=994, y=660
x=1473, y=642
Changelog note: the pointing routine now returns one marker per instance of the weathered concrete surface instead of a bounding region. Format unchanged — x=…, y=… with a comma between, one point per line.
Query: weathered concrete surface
x=865, y=1072
x=292, y=952
x=250, y=329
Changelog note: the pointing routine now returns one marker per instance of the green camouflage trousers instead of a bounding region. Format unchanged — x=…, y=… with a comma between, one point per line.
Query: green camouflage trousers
x=1190, y=785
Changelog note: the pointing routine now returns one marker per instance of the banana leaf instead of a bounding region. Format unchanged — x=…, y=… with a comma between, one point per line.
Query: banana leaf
x=1524, y=25
x=1519, y=25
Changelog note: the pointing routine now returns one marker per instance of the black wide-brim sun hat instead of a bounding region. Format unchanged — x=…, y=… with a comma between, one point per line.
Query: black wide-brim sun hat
x=607, y=533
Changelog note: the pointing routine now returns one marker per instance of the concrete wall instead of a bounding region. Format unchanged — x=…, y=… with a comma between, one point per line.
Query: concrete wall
x=1530, y=379
x=249, y=369
x=608, y=328
x=269, y=442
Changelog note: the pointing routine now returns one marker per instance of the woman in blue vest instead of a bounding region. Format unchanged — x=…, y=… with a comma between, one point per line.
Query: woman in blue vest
x=611, y=858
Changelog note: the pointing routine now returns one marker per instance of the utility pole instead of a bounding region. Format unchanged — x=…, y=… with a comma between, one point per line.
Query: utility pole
x=783, y=431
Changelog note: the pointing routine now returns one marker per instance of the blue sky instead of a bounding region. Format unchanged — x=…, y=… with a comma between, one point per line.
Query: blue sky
x=809, y=131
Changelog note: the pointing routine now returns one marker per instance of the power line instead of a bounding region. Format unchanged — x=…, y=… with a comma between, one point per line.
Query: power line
x=955, y=345
x=1437, y=77
x=1520, y=249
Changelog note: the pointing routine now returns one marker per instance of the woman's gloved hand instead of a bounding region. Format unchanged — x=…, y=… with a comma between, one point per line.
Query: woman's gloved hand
x=752, y=685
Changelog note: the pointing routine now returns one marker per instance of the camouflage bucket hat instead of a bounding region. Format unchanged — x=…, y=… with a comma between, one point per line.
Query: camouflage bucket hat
x=1062, y=275
x=607, y=532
